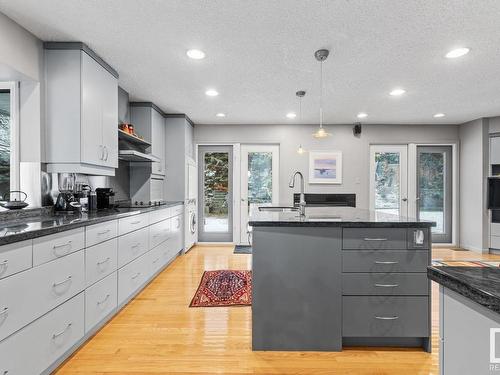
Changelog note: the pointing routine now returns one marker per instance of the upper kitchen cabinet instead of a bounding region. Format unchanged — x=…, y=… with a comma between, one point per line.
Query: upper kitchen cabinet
x=148, y=122
x=180, y=152
x=81, y=111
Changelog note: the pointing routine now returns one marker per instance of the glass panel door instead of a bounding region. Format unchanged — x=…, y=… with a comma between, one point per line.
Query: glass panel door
x=215, y=187
x=388, y=180
x=259, y=182
x=5, y=141
x=434, y=198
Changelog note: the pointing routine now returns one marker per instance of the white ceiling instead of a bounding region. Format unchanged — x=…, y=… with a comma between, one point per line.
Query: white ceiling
x=260, y=52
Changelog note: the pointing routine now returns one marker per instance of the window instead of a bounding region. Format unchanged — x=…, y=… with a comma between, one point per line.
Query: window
x=9, y=170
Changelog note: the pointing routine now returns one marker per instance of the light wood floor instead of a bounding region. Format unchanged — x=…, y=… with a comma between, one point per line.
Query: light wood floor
x=157, y=333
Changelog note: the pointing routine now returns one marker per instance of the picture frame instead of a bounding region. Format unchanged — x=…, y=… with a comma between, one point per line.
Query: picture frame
x=325, y=167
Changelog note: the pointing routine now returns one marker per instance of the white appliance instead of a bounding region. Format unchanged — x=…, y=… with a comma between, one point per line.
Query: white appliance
x=191, y=224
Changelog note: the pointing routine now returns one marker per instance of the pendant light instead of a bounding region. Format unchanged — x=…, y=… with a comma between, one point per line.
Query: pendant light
x=321, y=55
x=300, y=94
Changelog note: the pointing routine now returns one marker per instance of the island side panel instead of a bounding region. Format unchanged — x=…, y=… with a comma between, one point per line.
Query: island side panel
x=297, y=296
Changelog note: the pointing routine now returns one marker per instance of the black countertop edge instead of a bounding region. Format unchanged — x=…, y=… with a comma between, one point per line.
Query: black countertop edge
x=465, y=285
x=46, y=225
x=344, y=224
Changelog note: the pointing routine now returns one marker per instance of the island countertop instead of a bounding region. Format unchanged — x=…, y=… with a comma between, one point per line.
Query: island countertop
x=333, y=217
x=37, y=226
x=479, y=284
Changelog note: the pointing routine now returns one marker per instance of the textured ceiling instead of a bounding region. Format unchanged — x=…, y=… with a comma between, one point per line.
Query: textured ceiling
x=260, y=52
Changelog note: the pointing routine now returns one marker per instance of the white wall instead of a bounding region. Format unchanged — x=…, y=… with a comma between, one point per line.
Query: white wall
x=21, y=59
x=355, y=150
x=473, y=178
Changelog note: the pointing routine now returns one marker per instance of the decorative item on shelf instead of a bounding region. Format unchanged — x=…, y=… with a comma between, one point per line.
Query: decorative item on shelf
x=325, y=167
x=15, y=204
x=321, y=55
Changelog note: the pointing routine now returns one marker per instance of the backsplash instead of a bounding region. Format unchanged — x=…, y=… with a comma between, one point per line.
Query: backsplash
x=120, y=183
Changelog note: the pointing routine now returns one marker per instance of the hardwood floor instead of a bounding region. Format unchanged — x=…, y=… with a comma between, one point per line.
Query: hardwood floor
x=157, y=333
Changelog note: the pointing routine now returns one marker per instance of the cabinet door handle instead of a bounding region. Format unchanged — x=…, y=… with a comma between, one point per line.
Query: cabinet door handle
x=135, y=276
x=99, y=303
x=55, y=285
x=374, y=239
x=107, y=153
x=56, y=335
x=385, y=262
x=387, y=285
x=387, y=317
x=3, y=266
x=104, y=232
x=101, y=148
x=66, y=245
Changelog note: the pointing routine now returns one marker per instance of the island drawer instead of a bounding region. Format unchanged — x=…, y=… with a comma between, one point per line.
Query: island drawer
x=100, y=260
x=100, y=300
x=385, y=261
x=132, y=245
x=134, y=222
x=15, y=257
x=402, y=284
x=373, y=238
x=382, y=316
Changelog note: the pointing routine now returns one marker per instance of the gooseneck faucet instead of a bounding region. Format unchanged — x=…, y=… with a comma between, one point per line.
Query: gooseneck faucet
x=302, y=202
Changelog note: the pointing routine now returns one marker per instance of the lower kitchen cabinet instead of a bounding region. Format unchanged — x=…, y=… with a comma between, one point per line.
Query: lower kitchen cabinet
x=37, y=346
x=51, y=306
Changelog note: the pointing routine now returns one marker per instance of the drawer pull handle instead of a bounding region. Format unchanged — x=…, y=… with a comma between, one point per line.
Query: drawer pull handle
x=135, y=276
x=67, y=245
x=385, y=262
x=136, y=245
x=157, y=235
x=156, y=260
x=104, y=261
x=56, y=335
x=387, y=317
x=99, y=303
x=4, y=312
x=387, y=285
x=135, y=222
x=55, y=285
x=374, y=239
x=104, y=232
x=3, y=266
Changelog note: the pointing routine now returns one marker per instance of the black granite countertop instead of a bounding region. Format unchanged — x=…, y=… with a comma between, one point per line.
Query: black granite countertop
x=333, y=217
x=25, y=228
x=479, y=284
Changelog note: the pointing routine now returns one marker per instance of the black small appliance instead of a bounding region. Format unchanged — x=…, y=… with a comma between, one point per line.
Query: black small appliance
x=105, y=198
x=66, y=202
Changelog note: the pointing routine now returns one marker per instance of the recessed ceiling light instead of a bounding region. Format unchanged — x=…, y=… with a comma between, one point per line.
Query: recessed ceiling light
x=220, y=114
x=458, y=52
x=291, y=115
x=438, y=115
x=397, y=92
x=195, y=54
x=362, y=115
x=211, y=92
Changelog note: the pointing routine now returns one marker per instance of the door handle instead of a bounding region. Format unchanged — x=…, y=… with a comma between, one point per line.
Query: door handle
x=405, y=199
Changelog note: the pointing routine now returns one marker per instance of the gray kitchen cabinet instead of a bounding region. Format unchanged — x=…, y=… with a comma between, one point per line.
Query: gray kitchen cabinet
x=81, y=111
x=149, y=123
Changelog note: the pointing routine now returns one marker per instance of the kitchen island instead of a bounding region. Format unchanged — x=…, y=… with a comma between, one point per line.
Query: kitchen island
x=339, y=276
x=469, y=319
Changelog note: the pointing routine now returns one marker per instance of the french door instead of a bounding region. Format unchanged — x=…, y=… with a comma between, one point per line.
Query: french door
x=215, y=209
x=259, y=182
x=389, y=179
x=434, y=189
x=431, y=189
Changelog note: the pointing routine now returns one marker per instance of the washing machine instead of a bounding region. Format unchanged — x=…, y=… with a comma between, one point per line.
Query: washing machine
x=191, y=224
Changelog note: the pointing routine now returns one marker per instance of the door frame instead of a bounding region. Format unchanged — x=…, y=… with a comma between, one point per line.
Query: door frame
x=403, y=189
x=245, y=149
x=455, y=186
x=231, y=214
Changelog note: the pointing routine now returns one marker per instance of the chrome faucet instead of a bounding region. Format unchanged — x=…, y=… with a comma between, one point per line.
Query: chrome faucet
x=302, y=202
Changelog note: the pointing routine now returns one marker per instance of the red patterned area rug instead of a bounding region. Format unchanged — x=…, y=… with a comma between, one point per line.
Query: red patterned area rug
x=224, y=288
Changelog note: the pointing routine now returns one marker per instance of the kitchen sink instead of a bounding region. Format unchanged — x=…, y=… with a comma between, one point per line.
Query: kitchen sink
x=278, y=209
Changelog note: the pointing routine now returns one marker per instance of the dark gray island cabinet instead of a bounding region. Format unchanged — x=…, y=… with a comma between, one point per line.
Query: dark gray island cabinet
x=339, y=277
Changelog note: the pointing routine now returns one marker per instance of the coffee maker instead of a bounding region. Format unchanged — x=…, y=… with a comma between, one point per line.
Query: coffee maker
x=66, y=201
